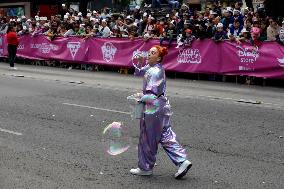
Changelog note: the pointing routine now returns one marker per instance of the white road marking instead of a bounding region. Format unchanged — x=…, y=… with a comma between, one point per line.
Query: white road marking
x=102, y=109
x=10, y=132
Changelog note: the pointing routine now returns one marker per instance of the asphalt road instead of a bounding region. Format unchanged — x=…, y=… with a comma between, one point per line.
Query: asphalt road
x=233, y=133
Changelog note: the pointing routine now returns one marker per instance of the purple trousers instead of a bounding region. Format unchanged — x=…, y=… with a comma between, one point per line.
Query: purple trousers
x=156, y=128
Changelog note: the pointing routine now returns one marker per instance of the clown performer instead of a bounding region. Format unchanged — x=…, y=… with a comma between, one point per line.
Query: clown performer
x=155, y=124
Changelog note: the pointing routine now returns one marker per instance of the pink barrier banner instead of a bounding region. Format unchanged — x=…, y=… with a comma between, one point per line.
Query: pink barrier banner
x=204, y=56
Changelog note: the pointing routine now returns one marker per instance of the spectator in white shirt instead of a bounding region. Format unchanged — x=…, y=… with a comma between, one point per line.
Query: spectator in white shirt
x=70, y=31
x=104, y=29
x=272, y=30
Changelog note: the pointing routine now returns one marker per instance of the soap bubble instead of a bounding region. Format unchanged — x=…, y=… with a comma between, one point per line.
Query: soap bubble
x=116, y=138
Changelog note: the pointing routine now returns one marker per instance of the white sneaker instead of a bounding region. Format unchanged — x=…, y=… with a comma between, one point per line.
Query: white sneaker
x=183, y=168
x=140, y=172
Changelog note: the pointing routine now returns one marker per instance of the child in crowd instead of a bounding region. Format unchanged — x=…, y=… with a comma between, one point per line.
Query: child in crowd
x=244, y=37
x=220, y=34
x=235, y=30
x=186, y=39
x=255, y=34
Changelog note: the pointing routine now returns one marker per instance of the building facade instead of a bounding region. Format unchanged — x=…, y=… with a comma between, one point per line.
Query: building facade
x=47, y=8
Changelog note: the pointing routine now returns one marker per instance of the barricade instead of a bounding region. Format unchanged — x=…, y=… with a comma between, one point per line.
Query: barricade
x=204, y=56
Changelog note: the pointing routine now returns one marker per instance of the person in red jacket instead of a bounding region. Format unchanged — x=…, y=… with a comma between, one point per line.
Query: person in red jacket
x=13, y=43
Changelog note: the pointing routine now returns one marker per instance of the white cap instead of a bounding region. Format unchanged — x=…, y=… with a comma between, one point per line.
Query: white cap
x=219, y=25
x=63, y=5
x=129, y=17
x=225, y=10
x=24, y=27
x=236, y=10
x=67, y=13
x=79, y=14
x=82, y=25
x=104, y=20
x=92, y=19
x=29, y=20
x=135, y=24
x=18, y=20
x=145, y=14
x=65, y=16
x=244, y=30
x=23, y=17
x=168, y=15
x=230, y=9
x=212, y=12
x=94, y=12
x=89, y=14
x=137, y=7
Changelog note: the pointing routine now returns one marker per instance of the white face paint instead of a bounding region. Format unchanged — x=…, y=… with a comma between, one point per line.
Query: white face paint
x=153, y=56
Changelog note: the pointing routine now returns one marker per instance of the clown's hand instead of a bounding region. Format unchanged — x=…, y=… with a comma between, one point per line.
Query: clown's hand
x=148, y=98
x=137, y=97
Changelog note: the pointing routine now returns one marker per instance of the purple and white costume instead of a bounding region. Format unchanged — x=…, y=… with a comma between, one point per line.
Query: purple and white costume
x=155, y=126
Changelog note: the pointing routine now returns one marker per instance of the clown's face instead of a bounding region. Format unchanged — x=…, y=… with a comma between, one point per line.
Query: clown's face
x=153, y=56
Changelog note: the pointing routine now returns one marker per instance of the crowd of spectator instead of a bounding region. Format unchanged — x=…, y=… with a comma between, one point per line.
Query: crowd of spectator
x=180, y=23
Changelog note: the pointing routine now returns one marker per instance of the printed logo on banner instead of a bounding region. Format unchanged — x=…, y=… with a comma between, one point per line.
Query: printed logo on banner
x=44, y=47
x=281, y=62
x=21, y=47
x=189, y=55
x=108, y=50
x=73, y=47
x=248, y=57
x=1, y=48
